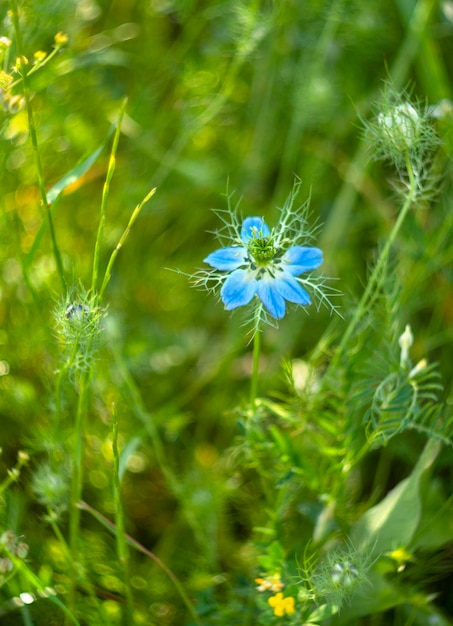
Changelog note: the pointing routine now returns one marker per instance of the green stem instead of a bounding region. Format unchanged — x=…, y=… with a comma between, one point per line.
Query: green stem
x=255, y=368
x=121, y=543
x=138, y=408
x=374, y=280
x=34, y=141
x=13, y=476
x=76, y=482
x=120, y=244
x=105, y=195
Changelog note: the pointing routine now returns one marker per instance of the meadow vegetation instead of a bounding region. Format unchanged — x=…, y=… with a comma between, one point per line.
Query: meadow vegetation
x=226, y=312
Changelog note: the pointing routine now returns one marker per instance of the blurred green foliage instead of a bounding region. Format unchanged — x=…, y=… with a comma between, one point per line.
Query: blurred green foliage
x=222, y=96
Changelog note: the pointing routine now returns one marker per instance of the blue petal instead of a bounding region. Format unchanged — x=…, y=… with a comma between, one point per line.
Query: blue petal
x=227, y=258
x=288, y=287
x=238, y=289
x=254, y=226
x=271, y=298
x=300, y=259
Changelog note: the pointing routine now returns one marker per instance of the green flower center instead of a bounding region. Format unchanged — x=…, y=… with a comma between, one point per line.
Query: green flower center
x=262, y=249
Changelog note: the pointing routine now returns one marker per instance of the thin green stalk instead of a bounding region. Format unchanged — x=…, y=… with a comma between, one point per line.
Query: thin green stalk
x=120, y=244
x=24, y=611
x=105, y=195
x=374, y=280
x=13, y=474
x=255, y=368
x=34, y=141
x=58, y=399
x=77, y=481
x=121, y=543
x=138, y=409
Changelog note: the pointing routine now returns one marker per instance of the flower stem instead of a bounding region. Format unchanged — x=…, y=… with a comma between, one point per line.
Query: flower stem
x=121, y=542
x=255, y=368
x=13, y=475
x=34, y=142
x=374, y=280
x=120, y=244
x=76, y=482
x=105, y=195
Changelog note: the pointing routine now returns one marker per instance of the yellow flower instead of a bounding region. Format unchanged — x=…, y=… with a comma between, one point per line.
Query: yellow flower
x=20, y=62
x=270, y=583
x=282, y=606
x=401, y=557
x=5, y=80
x=61, y=39
x=4, y=42
x=39, y=56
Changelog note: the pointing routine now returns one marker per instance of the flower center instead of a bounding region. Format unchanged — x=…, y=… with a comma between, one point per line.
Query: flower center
x=262, y=250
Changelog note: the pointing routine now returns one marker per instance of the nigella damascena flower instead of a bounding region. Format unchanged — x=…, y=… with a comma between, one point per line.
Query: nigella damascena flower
x=266, y=268
x=260, y=266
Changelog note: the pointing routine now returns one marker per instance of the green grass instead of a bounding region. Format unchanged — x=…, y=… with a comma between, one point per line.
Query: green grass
x=169, y=464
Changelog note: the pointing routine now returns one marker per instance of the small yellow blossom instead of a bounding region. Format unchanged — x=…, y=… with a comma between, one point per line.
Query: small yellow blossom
x=39, y=56
x=20, y=62
x=4, y=42
x=282, y=606
x=270, y=583
x=23, y=457
x=401, y=557
x=5, y=80
x=61, y=39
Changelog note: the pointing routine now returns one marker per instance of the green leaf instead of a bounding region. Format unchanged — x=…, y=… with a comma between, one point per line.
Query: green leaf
x=126, y=453
x=384, y=594
x=393, y=522
x=54, y=194
x=77, y=172
x=321, y=613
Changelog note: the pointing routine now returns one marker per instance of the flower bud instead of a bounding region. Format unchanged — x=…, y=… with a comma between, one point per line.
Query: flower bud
x=344, y=574
x=405, y=340
x=79, y=328
x=421, y=365
x=5, y=565
x=21, y=550
x=340, y=575
x=77, y=312
x=400, y=126
x=23, y=457
x=8, y=539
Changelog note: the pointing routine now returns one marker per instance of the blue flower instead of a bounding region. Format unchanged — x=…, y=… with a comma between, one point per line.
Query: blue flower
x=260, y=267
